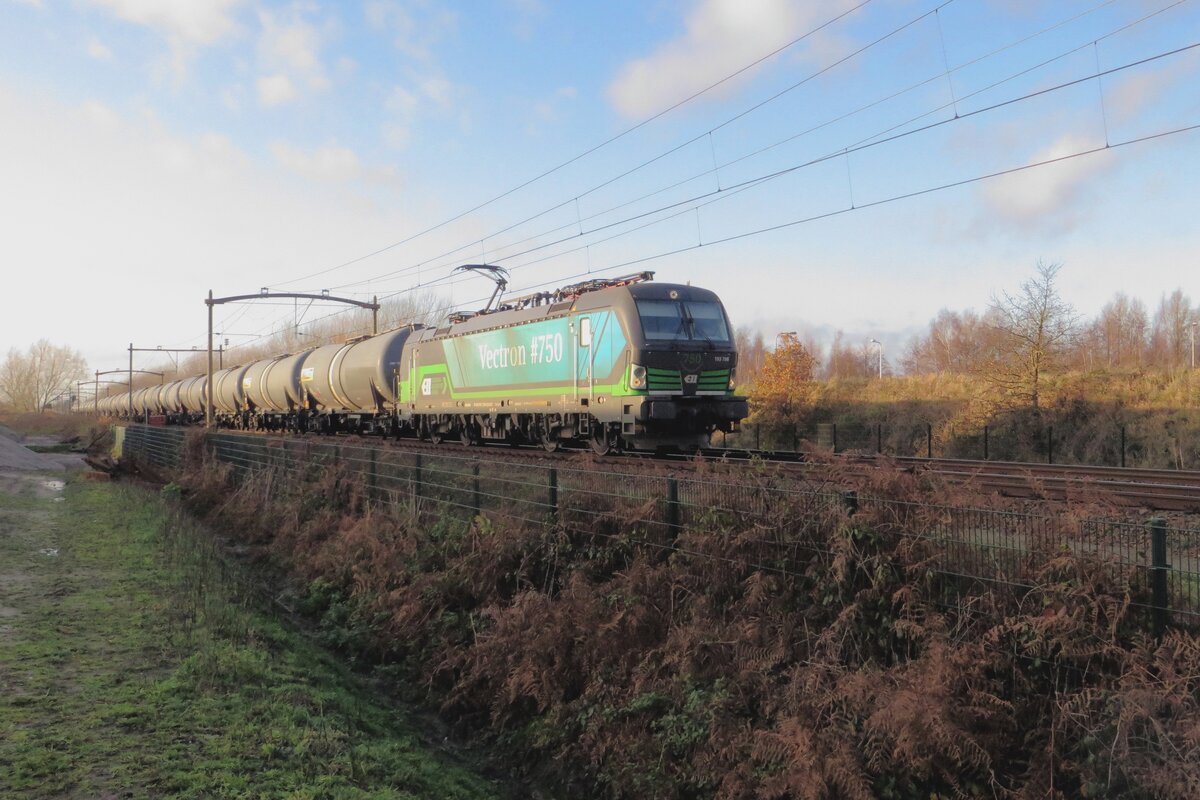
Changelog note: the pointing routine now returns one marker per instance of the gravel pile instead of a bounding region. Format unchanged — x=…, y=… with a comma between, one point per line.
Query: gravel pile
x=16, y=456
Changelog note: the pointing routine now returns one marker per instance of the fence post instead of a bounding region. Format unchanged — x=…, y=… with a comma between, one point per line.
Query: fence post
x=878, y=438
x=552, y=490
x=478, y=505
x=1049, y=444
x=372, y=480
x=673, y=525
x=795, y=438
x=757, y=428
x=1159, y=569
x=929, y=440
x=850, y=498
x=834, y=437
x=1122, y=445
x=416, y=475
x=985, y=442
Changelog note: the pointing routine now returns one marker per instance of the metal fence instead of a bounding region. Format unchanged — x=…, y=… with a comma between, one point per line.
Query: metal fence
x=770, y=512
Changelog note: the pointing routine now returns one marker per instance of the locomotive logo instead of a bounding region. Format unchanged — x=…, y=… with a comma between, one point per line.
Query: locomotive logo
x=691, y=378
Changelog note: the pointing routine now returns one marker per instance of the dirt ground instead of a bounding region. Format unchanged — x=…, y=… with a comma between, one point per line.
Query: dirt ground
x=15, y=455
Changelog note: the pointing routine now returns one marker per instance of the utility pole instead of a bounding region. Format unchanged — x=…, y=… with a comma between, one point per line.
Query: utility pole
x=265, y=293
x=876, y=341
x=208, y=407
x=131, y=379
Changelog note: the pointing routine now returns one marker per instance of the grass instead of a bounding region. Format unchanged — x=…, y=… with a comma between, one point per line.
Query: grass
x=137, y=663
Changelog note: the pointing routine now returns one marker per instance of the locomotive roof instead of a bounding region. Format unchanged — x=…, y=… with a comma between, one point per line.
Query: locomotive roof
x=599, y=298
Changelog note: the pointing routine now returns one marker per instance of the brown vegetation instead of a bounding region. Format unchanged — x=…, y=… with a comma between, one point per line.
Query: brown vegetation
x=1027, y=368
x=793, y=653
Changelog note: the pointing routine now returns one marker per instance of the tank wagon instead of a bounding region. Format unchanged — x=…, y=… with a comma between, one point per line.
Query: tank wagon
x=618, y=363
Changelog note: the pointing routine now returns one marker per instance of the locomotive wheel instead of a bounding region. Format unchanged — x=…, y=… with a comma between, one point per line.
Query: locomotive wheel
x=550, y=442
x=602, y=444
x=467, y=435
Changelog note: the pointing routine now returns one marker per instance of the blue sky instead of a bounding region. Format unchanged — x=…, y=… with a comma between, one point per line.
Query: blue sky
x=154, y=150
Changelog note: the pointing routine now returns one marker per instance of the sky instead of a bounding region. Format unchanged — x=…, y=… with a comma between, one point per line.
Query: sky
x=820, y=165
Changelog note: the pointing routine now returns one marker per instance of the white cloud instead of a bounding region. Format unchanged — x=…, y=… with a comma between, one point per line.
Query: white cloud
x=1128, y=95
x=233, y=97
x=274, y=90
x=100, y=115
x=415, y=25
x=396, y=136
x=186, y=24
x=329, y=163
x=1051, y=196
x=439, y=90
x=289, y=49
x=98, y=50
x=720, y=37
x=424, y=94
x=402, y=100
x=200, y=22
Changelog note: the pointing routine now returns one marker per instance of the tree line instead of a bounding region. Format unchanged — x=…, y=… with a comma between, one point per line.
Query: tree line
x=1012, y=344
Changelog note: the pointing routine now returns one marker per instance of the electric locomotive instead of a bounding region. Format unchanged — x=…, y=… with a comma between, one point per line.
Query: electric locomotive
x=620, y=363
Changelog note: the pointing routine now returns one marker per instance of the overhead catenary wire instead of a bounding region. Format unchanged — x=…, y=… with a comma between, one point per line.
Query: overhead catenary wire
x=870, y=142
x=860, y=207
x=616, y=137
x=426, y=263
x=678, y=147
x=838, y=153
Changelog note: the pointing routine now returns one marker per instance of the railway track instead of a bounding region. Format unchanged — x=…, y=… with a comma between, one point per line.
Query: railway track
x=1152, y=489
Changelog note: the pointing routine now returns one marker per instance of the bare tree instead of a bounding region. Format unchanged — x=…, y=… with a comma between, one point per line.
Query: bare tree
x=752, y=352
x=954, y=344
x=849, y=361
x=1036, y=327
x=1119, y=333
x=1171, y=338
x=29, y=381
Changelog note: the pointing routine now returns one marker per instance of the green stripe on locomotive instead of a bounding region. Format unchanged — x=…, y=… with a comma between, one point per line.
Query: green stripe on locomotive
x=531, y=360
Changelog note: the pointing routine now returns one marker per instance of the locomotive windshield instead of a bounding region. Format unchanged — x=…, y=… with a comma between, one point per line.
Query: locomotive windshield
x=672, y=320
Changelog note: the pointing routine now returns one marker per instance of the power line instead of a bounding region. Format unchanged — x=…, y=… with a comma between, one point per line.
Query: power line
x=729, y=191
x=413, y=267
x=843, y=211
x=592, y=149
x=870, y=142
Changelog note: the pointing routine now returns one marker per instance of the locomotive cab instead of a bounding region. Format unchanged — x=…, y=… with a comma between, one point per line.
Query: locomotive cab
x=682, y=361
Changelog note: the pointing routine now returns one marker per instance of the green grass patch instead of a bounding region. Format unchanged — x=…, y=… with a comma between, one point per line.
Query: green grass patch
x=137, y=661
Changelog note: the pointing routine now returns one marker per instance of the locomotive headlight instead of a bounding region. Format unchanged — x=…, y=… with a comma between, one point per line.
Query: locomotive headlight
x=637, y=377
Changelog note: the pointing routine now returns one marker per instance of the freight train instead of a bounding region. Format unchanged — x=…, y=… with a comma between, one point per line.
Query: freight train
x=621, y=363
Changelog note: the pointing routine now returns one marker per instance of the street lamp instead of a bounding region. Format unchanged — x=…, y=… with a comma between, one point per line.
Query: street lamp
x=876, y=341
